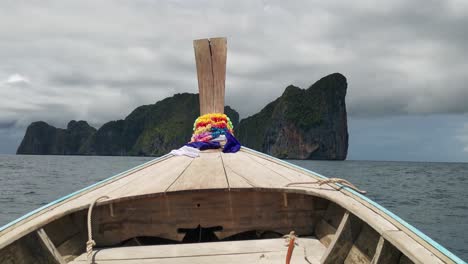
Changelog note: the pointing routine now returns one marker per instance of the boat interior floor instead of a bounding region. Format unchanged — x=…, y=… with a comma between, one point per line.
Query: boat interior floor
x=307, y=250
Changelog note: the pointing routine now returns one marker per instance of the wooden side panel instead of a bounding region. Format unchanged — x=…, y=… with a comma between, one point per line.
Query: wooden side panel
x=69, y=234
x=412, y=251
x=326, y=227
x=364, y=247
x=346, y=234
x=334, y=214
x=204, y=74
x=28, y=249
x=206, y=172
x=47, y=243
x=405, y=260
x=386, y=253
x=218, y=61
x=74, y=246
x=235, y=211
x=324, y=232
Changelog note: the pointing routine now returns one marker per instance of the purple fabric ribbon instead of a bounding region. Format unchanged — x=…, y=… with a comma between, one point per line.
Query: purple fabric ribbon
x=204, y=145
x=232, y=144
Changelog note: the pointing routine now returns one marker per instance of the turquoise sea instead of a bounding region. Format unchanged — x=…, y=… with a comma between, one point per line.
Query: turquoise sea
x=430, y=196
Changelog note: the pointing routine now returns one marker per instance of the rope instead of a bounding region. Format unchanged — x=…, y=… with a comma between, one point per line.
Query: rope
x=292, y=240
x=328, y=181
x=91, y=243
x=290, y=243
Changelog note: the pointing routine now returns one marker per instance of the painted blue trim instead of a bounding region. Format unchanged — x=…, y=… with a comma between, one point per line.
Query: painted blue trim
x=77, y=192
x=413, y=229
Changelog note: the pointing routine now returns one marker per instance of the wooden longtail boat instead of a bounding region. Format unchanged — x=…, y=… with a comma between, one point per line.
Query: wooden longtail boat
x=216, y=208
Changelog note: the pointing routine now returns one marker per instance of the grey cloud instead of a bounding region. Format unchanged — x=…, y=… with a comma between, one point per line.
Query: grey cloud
x=97, y=60
x=80, y=80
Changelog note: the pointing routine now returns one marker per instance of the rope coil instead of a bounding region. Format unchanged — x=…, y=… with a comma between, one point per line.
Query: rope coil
x=321, y=182
x=91, y=243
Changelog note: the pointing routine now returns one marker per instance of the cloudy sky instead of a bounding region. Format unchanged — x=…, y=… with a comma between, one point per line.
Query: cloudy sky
x=405, y=61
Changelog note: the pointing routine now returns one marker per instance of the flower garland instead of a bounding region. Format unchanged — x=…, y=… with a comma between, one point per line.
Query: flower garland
x=210, y=126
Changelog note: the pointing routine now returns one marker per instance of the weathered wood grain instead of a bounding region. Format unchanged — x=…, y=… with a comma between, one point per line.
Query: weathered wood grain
x=206, y=172
x=204, y=74
x=249, y=251
x=218, y=61
x=412, y=250
x=325, y=232
x=385, y=253
x=210, y=58
x=345, y=235
x=29, y=249
x=236, y=212
x=44, y=238
x=363, y=249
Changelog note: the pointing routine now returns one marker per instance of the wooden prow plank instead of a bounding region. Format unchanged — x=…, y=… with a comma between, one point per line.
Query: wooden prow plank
x=210, y=58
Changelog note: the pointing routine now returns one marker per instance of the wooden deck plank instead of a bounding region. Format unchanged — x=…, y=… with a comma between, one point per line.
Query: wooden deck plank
x=154, y=180
x=257, y=258
x=246, y=251
x=254, y=172
x=277, y=168
x=205, y=172
x=235, y=180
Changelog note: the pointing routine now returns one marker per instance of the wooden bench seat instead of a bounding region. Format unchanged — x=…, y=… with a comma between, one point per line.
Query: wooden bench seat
x=246, y=251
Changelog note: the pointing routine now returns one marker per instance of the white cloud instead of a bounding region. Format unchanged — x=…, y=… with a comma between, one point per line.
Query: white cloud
x=16, y=79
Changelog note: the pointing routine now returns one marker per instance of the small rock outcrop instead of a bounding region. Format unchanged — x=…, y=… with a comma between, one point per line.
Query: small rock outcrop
x=302, y=123
x=42, y=138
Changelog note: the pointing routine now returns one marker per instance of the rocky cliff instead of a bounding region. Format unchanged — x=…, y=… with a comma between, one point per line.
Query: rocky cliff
x=42, y=138
x=150, y=130
x=302, y=123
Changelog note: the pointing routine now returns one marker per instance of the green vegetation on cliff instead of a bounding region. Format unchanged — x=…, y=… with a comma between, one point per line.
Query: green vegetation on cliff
x=302, y=123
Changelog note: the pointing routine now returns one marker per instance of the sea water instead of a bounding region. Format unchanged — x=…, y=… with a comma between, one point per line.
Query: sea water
x=430, y=196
